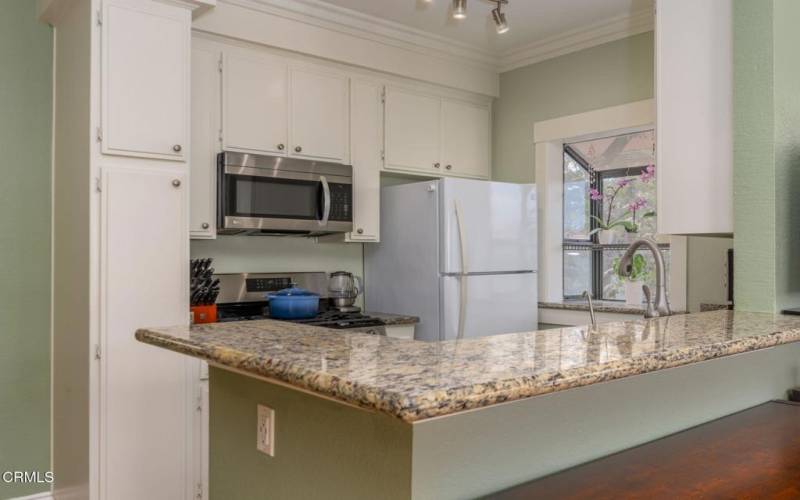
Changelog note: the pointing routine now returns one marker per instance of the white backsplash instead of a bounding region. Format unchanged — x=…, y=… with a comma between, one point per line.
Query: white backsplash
x=270, y=254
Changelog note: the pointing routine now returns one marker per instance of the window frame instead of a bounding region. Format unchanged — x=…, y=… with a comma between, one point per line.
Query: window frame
x=592, y=244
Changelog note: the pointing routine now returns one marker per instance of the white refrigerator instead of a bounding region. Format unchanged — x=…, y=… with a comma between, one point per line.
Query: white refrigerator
x=459, y=254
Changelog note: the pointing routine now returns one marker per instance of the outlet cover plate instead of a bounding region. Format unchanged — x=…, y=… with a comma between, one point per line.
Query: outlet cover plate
x=265, y=430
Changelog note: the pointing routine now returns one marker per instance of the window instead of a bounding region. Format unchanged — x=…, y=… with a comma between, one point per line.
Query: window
x=609, y=201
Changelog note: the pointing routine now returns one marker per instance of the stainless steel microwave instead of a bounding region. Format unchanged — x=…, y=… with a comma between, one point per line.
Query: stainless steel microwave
x=278, y=195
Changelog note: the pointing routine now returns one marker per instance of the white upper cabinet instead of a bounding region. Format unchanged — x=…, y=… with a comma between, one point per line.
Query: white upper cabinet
x=319, y=114
x=206, y=123
x=255, y=103
x=436, y=135
x=466, y=139
x=367, y=134
x=413, y=125
x=694, y=100
x=145, y=79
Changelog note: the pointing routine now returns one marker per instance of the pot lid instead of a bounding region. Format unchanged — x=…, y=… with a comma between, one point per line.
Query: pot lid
x=293, y=292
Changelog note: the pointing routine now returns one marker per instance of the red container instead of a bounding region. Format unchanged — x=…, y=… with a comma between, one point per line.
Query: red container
x=204, y=314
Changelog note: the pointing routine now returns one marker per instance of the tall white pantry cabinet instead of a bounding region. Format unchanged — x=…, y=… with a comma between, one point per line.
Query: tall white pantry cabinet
x=123, y=425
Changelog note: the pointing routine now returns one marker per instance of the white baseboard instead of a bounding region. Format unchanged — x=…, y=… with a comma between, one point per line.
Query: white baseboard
x=45, y=495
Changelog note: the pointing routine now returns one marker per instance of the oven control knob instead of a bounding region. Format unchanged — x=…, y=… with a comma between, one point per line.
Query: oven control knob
x=297, y=149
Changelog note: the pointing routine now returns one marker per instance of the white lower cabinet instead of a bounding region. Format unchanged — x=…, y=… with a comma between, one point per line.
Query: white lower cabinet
x=146, y=393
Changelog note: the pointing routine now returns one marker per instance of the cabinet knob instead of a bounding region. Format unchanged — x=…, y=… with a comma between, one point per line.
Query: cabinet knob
x=360, y=231
x=448, y=167
x=205, y=225
x=280, y=147
x=176, y=183
x=437, y=165
x=177, y=148
x=297, y=149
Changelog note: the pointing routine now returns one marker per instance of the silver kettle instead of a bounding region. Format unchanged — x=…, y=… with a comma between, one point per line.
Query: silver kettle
x=343, y=289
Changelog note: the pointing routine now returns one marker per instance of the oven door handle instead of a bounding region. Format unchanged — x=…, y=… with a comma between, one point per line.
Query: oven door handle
x=326, y=201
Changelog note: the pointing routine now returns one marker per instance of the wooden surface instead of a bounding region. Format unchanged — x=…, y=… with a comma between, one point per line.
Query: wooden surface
x=751, y=454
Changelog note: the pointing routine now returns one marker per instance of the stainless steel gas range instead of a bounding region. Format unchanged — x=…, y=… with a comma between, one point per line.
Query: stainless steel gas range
x=241, y=298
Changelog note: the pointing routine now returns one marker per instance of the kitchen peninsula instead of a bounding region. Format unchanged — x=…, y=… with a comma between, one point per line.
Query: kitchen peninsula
x=363, y=416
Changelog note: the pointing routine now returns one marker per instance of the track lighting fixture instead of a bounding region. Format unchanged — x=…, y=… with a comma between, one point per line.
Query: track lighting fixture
x=499, y=17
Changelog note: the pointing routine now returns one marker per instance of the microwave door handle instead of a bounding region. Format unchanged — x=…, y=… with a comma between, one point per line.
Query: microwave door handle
x=326, y=202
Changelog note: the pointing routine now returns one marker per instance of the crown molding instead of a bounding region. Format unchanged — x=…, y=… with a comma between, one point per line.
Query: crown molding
x=332, y=17
x=572, y=41
x=343, y=20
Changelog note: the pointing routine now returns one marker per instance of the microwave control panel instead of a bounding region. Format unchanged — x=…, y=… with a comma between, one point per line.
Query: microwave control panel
x=341, y=202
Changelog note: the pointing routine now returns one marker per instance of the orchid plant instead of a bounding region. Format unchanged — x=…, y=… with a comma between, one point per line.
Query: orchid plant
x=633, y=212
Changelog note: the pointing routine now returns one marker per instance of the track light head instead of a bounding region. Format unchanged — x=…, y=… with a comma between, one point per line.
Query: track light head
x=459, y=9
x=499, y=20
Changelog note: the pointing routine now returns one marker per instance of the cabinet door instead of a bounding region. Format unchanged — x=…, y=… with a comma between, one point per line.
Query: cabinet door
x=255, y=103
x=319, y=104
x=413, y=126
x=146, y=392
x=206, y=106
x=466, y=139
x=145, y=79
x=694, y=132
x=366, y=136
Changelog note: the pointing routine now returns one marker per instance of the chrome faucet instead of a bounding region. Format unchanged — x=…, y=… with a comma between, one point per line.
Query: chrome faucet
x=626, y=267
x=588, y=296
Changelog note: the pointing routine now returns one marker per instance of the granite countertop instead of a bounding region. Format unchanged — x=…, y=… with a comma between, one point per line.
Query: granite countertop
x=604, y=306
x=414, y=380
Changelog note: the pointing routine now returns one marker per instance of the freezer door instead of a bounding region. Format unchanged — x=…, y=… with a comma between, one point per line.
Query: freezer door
x=497, y=226
x=492, y=304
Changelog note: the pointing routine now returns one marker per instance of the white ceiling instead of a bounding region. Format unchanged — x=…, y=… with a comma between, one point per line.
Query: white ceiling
x=531, y=21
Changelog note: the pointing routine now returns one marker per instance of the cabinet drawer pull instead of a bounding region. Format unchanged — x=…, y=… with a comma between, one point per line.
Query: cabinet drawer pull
x=360, y=231
x=297, y=149
x=436, y=165
x=176, y=183
x=205, y=225
x=280, y=147
x=177, y=148
x=448, y=167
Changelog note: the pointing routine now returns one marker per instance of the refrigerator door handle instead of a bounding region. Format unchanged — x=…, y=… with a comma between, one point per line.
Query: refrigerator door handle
x=462, y=303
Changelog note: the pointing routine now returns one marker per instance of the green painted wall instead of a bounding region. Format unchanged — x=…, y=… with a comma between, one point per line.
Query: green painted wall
x=766, y=154
x=25, y=131
x=615, y=73
x=323, y=450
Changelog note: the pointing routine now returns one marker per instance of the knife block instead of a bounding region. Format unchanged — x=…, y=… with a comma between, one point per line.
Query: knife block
x=204, y=314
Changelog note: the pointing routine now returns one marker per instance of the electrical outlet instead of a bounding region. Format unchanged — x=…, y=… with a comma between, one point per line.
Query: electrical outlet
x=265, y=430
